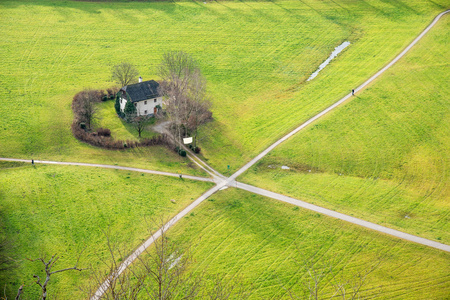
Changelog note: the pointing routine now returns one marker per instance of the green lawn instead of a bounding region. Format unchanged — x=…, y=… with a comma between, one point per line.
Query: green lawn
x=265, y=244
x=384, y=156
x=255, y=56
x=63, y=209
x=120, y=130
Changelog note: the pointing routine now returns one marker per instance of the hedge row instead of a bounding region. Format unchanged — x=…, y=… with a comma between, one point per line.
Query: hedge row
x=98, y=140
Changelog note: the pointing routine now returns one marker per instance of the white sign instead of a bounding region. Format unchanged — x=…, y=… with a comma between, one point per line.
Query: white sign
x=187, y=140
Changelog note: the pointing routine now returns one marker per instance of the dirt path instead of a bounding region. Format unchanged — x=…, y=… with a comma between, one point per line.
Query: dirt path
x=221, y=181
x=347, y=218
x=109, y=167
x=327, y=110
x=231, y=182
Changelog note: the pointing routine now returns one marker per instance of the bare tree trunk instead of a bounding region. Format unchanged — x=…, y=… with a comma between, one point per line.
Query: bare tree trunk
x=48, y=272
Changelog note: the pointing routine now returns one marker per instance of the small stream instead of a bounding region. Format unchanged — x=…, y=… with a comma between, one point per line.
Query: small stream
x=333, y=54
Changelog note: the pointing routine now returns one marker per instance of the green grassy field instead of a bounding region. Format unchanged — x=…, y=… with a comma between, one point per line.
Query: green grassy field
x=265, y=244
x=385, y=161
x=60, y=209
x=384, y=156
x=255, y=56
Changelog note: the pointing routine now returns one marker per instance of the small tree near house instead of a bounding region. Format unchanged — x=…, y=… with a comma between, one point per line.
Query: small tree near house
x=139, y=123
x=129, y=111
x=124, y=74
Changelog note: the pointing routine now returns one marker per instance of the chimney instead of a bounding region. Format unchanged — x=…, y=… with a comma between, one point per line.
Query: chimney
x=140, y=79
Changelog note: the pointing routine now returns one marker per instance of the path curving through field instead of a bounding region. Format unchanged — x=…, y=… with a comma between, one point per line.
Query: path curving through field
x=222, y=182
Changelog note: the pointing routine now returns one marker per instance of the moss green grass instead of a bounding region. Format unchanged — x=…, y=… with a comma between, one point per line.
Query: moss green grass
x=265, y=244
x=62, y=209
x=384, y=156
x=255, y=56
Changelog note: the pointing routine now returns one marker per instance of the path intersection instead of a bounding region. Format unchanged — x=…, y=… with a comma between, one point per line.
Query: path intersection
x=223, y=182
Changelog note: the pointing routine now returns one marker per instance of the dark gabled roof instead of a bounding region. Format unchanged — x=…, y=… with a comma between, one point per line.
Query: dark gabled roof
x=142, y=90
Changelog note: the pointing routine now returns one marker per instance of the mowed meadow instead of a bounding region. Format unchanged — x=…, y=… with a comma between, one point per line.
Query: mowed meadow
x=384, y=156
x=72, y=211
x=385, y=161
x=255, y=56
x=265, y=245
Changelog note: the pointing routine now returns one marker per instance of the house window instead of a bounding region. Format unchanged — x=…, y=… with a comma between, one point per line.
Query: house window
x=145, y=102
x=120, y=101
x=154, y=101
x=145, y=112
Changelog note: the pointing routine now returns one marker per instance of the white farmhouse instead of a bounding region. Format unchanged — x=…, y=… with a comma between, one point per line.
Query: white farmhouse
x=144, y=95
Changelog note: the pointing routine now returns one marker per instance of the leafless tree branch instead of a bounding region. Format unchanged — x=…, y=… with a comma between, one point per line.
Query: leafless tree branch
x=124, y=74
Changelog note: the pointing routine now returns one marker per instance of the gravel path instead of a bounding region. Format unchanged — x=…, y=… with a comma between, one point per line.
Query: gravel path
x=221, y=181
x=109, y=167
x=232, y=183
x=327, y=110
x=347, y=218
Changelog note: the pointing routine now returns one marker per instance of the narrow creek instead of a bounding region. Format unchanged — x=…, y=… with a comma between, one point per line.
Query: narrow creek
x=333, y=54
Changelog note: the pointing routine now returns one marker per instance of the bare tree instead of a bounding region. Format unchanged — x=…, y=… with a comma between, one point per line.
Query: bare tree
x=167, y=271
x=139, y=123
x=158, y=274
x=19, y=292
x=351, y=288
x=183, y=88
x=48, y=272
x=85, y=108
x=125, y=286
x=124, y=74
x=199, y=115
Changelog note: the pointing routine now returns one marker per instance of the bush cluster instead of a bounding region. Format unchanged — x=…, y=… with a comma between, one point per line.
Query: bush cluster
x=104, y=132
x=111, y=93
x=102, y=136
x=180, y=151
x=195, y=149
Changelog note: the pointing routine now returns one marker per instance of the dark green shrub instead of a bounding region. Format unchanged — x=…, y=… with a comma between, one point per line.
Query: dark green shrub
x=117, y=105
x=182, y=152
x=129, y=109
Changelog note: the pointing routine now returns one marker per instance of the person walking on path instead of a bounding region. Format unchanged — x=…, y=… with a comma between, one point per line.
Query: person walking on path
x=353, y=92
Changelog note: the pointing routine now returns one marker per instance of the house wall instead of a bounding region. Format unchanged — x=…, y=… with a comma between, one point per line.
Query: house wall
x=145, y=107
